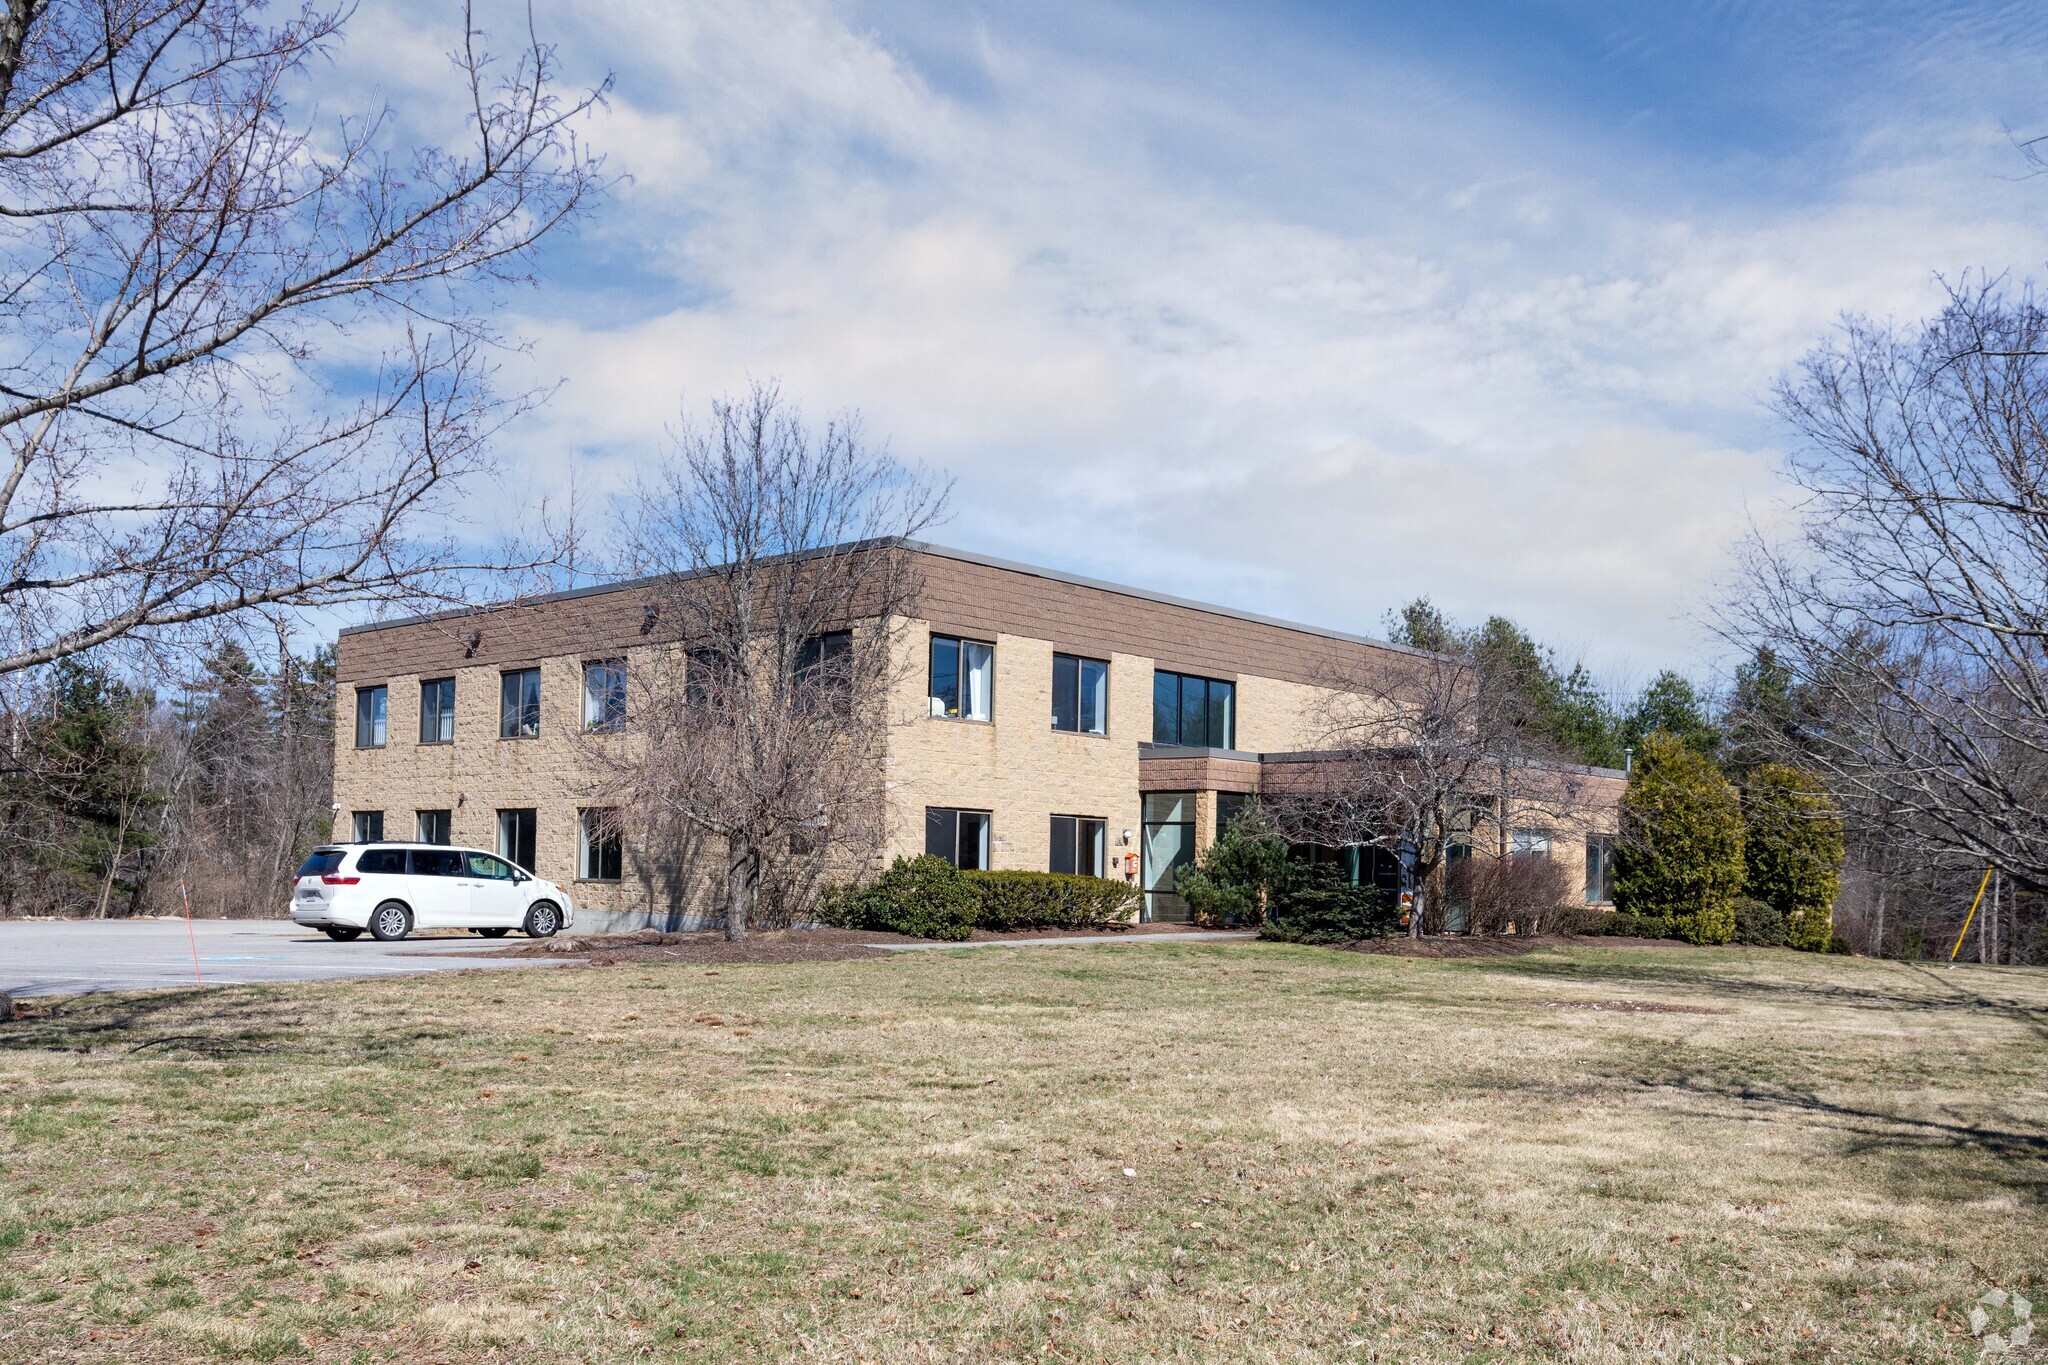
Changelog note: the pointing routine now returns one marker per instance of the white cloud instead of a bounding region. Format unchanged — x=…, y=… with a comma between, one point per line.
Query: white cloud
x=1477, y=365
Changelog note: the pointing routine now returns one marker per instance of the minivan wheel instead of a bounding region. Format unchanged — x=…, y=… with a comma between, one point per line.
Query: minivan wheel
x=542, y=919
x=390, y=922
x=492, y=933
x=341, y=935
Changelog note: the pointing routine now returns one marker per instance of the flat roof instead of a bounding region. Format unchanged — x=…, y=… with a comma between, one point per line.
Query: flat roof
x=942, y=552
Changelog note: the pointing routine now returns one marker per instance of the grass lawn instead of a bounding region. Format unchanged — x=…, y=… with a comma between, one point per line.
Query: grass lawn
x=1241, y=1151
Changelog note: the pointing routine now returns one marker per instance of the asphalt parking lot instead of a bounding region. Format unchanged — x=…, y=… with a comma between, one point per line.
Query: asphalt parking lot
x=69, y=957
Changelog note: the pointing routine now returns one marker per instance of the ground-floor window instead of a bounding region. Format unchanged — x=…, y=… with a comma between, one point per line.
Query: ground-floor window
x=1599, y=869
x=516, y=836
x=1079, y=843
x=1169, y=844
x=600, y=856
x=437, y=826
x=958, y=836
x=369, y=826
x=1531, y=843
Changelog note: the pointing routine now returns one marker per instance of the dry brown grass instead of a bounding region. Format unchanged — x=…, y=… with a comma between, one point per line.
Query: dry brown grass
x=1242, y=1151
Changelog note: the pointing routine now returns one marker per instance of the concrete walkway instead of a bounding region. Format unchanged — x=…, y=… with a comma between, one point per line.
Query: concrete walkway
x=1088, y=940
x=71, y=957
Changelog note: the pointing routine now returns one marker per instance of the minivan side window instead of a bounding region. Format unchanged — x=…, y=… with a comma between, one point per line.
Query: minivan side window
x=382, y=860
x=436, y=862
x=484, y=865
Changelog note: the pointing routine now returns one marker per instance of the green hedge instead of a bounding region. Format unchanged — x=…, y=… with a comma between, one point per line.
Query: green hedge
x=1758, y=923
x=927, y=897
x=1313, y=903
x=1050, y=900
x=1621, y=924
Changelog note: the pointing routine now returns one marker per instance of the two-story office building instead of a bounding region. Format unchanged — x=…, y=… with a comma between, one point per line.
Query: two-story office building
x=1049, y=722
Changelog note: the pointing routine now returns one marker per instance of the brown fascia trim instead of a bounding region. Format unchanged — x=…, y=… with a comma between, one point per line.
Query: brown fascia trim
x=1165, y=752
x=923, y=548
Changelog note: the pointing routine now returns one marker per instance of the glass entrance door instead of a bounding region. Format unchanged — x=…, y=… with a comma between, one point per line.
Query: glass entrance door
x=1169, y=844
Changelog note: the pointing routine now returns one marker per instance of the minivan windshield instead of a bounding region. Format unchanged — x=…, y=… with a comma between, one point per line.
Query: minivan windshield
x=323, y=861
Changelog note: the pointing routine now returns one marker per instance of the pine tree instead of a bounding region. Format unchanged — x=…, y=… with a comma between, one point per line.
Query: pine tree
x=1681, y=851
x=1671, y=704
x=1792, y=850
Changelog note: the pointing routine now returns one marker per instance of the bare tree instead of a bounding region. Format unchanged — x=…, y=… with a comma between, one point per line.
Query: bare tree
x=177, y=247
x=781, y=580
x=1912, y=604
x=1418, y=752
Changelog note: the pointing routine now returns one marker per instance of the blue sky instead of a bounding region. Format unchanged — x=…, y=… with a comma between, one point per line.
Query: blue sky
x=1304, y=308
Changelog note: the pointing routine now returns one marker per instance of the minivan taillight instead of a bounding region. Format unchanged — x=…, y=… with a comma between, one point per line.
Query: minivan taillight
x=331, y=880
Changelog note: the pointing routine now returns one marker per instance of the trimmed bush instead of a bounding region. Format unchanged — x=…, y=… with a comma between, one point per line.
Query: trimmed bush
x=927, y=897
x=924, y=897
x=1050, y=900
x=1620, y=924
x=1313, y=903
x=1758, y=923
x=1681, y=850
x=1792, y=847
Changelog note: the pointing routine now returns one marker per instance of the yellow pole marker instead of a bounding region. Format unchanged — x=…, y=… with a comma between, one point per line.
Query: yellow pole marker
x=1972, y=915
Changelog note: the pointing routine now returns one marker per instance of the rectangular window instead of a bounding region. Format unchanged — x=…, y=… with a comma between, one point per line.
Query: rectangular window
x=371, y=703
x=1599, y=869
x=1078, y=845
x=604, y=695
x=963, y=678
x=1229, y=806
x=599, y=853
x=1530, y=843
x=369, y=826
x=382, y=860
x=1080, y=694
x=1198, y=712
x=958, y=836
x=516, y=835
x=436, y=826
x=437, y=711
x=519, y=704
x=824, y=669
x=703, y=674
x=435, y=862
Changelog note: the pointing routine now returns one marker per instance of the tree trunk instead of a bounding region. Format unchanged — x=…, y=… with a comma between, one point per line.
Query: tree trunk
x=739, y=870
x=1415, y=913
x=114, y=863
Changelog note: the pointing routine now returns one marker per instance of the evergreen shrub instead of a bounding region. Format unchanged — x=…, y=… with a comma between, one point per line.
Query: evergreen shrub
x=1314, y=903
x=1758, y=923
x=1050, y=900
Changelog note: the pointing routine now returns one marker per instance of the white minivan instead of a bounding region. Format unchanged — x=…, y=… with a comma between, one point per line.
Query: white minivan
x=392, y=889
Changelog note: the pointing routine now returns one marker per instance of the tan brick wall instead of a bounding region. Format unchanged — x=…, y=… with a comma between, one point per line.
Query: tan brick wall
x=1015, y=765
x=479, y=773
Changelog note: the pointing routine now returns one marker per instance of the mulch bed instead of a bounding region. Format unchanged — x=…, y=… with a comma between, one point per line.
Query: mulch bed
x=1462, y=945
x=770, y=945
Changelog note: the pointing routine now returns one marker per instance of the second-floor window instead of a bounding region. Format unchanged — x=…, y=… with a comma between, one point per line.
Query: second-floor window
x=371, y=703
x=1530, y=843
x=604, y=695
x=519, y=704
x=1080, y=694
x=963, y=677
x=824, y=669
x=437, y=711
x=1201, y=712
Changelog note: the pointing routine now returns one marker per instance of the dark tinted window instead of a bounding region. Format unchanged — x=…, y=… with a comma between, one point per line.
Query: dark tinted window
x=382, y=860
x=437, y=711
x=436, y=862
x=323, y=861
x=1193, y=711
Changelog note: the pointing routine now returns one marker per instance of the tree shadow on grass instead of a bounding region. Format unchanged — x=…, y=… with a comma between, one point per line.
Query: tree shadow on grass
x=222, y=1022
x=1902, y=986
x=2020, y=1152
